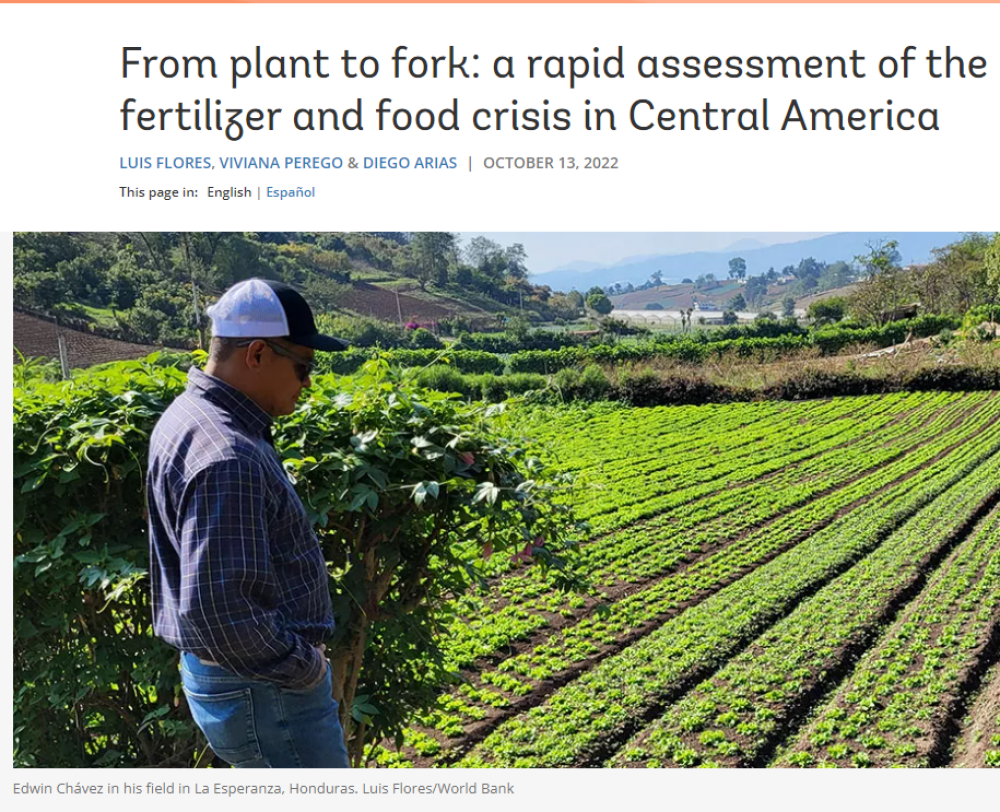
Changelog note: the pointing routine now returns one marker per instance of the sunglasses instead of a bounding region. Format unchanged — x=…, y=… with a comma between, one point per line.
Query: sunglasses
x=303, y=367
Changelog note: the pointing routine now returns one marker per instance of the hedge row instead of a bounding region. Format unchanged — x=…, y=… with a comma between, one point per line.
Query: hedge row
x=647, y=389
x=696, y=349
x=470, y=361
x=497, y=354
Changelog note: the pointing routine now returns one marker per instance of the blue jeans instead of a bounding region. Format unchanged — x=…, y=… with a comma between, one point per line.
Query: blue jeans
x=250, y=723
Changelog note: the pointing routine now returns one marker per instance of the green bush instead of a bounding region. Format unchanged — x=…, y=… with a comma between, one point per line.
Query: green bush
x=519, y=383
x=497, y=388
x=470, y=361
x=94, y=687
x=590, y=385
x=363, y=332
x=594, y=384
x=424, y=339
x=444, y=378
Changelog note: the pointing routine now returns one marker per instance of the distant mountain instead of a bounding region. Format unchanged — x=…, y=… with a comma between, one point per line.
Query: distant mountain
x=746, y=245
x=915, y=247
x=579, y=266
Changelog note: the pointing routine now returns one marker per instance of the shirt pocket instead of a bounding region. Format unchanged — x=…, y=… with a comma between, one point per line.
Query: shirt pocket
x=227, y=720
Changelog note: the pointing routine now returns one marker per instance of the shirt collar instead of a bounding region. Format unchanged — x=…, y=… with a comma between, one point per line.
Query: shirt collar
x=255, y=420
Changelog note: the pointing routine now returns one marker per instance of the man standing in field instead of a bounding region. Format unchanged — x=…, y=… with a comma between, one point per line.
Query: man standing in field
x=239, y=582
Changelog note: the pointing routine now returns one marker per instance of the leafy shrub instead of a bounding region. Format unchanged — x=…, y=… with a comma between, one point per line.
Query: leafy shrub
x=492, y=388
x=646, y=388
x=362, y=331
x=444, y=378
x=391, y=473
x=594, y=384
x=977, y=315
x=424, y=339
x=520, y=383
x=497, y=388
x=958, y=378
x=812, y=383
x=590, y=384
x=567, y=381
x=470, y=361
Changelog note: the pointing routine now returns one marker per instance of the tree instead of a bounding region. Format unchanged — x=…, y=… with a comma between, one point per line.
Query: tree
x=687, y=281
x=883, y=288
x=656, y=279
x=412, y=488
x=755, y=291
x=836, y=275
x=124, y=280
x=788, y=307
x=992, y=263
x=957, y=280
x=729, y=317
x=480, y=250
x=432, y=252
x=828, y=310
x=518, y=328
x=737, y=268
x=686, y=318
x=738, y=302
x=599, y=303
x=653, y=306
x=575, y=300
x=808, y=273
x=595, y=290
x=517, y=261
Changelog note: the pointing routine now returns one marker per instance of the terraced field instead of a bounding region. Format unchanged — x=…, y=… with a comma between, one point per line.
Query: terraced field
x=771, y=584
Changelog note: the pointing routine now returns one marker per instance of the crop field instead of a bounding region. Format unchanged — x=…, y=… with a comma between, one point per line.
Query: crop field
x=769, y=584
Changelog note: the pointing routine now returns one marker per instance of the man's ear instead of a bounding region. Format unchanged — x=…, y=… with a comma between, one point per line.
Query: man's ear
x=255, y=351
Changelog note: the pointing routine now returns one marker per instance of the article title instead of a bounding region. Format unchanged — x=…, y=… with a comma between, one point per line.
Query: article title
x=582, y=76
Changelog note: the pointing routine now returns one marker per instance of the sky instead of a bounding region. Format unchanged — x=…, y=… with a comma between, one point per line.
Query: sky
x=550, y=250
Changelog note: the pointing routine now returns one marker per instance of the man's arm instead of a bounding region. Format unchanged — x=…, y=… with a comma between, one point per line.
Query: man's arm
x=229, y=594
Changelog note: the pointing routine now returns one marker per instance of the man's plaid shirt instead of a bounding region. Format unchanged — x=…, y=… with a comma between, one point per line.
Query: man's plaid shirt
x=237, y=574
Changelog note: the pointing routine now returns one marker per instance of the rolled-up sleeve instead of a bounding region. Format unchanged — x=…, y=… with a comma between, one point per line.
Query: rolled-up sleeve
x=229, y=595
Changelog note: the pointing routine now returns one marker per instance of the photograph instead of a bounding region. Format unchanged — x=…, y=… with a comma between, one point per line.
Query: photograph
x=506, y=499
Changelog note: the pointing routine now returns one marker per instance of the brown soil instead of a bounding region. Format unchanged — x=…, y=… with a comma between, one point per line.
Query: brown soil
x=370, y=300
x=980, y=725
x=38, y=338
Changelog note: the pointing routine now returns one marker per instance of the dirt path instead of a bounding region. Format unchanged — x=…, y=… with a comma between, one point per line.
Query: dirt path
x=980, y=725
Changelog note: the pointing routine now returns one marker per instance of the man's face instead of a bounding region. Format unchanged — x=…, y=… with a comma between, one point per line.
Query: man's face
x=285, y=367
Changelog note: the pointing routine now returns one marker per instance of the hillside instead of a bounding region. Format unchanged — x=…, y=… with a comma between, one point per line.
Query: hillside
x=36, y=337
x=414, y=305
x=914, y=247
x=154, y=288
x=717, y=296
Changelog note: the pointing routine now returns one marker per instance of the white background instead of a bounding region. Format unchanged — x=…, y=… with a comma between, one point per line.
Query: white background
x=61, y=68
x=65, y=142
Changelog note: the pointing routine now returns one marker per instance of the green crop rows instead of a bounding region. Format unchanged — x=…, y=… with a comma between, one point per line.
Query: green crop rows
x=740, y=560
x=734, y=717
x=891, y=708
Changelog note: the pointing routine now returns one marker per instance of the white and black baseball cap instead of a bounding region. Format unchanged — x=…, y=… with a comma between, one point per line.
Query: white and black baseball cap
x=263, y=308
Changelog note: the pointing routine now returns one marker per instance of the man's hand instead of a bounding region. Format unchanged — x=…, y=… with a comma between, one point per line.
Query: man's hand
x=321, y=648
